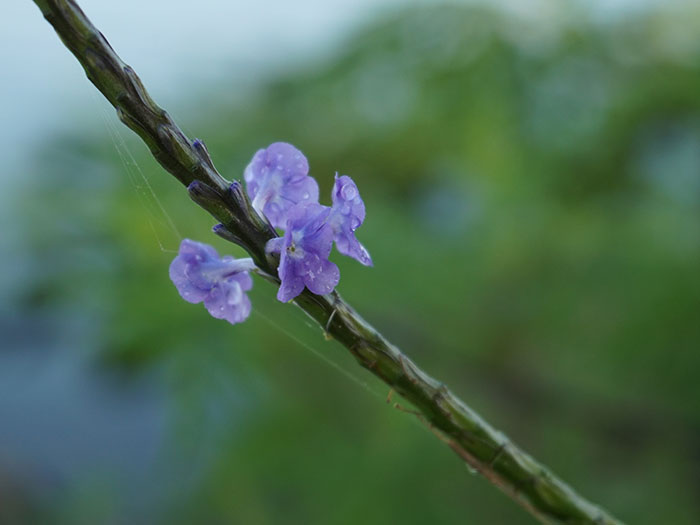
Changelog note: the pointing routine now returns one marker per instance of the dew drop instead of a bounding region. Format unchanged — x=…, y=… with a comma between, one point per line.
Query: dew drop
x=349, y=192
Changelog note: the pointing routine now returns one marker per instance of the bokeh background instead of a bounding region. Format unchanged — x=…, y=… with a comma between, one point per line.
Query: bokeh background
x=532, y=177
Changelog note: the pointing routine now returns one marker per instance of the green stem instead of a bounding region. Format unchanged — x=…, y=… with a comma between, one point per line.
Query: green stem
x=483, y=448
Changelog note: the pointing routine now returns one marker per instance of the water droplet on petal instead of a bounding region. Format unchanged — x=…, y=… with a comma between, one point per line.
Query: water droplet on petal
x=349, y=192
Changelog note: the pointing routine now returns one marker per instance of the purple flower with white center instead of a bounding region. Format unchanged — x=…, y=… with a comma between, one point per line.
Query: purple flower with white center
x=278, y=178
x=347, y=214
x=199, y=274
x=304, y=252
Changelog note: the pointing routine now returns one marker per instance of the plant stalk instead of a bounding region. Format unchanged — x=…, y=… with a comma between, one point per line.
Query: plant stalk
x=483, y=448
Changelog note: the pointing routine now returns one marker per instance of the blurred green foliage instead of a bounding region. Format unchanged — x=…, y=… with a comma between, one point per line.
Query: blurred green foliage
x=533, y=197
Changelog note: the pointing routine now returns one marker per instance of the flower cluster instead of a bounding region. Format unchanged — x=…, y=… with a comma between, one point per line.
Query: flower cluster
x=200, y=275
x=290, y=201
x=279, y=185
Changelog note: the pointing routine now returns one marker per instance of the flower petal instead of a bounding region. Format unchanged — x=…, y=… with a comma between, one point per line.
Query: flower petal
x=346, y=197
x=347, y=244
x=275, y=245
x=277, y=179
x=187, y=290
x=289, y=289
x=227, y=301
x=197, y=250
x=320, y=276
x=348, y=214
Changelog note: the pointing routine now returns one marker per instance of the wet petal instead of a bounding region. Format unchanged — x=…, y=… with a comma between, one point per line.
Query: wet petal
x=347, y=244
x=277, y=179
x=275, y=245
x=187, y=290
x=348, y=214
x=321, y=275
x=200, y=275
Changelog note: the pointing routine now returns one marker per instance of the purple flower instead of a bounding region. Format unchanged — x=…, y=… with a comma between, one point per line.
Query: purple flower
x=278, y=178
x=347, y=214
x=304, y=252
x=199, y=274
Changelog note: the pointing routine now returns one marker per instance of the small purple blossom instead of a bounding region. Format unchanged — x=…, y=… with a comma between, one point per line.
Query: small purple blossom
x=304, y=252
x=199, y=274
x=277, y=178
x=347, y=214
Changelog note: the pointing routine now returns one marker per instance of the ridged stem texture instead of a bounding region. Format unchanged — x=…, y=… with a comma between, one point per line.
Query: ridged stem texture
x=483, y=448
